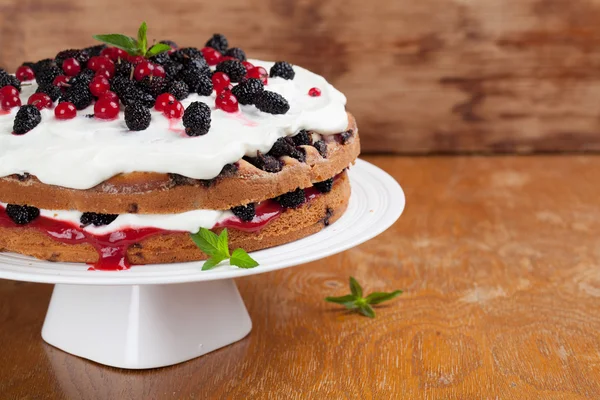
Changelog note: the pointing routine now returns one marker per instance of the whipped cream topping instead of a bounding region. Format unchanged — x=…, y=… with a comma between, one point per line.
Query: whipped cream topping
x=82, y=152
x=190, y=221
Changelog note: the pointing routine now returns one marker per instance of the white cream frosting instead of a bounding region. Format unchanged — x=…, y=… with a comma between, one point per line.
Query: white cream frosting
x=190, y=221
x=83, y=152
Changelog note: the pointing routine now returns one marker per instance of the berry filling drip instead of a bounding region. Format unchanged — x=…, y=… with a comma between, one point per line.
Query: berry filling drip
x=112, y=247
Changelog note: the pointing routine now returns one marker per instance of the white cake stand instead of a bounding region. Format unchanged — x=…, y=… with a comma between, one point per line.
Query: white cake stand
x=158, y=315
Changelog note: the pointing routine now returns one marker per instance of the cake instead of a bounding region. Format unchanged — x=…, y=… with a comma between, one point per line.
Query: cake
x=118, y=156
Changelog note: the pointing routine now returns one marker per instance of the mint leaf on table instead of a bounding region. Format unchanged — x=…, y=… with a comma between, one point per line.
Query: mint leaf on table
x=217, y=248
x=133, y=46
x=356, y=302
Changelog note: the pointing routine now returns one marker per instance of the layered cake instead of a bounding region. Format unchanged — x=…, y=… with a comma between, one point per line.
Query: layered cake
x=116, y=156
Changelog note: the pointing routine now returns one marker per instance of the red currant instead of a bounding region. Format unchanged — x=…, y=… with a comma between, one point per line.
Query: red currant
x=9, y=98
x=226, y=101
x=71, y=67
x=106, y=109
x=65, y=110
x=99, y=85
x=220, y=80
x=162, y=101
x=105, y=73
x=174, y=110
x=212, y=56
x=259, y=73
x=110, y=95
x=94, y=63
x=25, y=73
x=227, y=58
x=159, y=71
x=40, y=100
x=98, y=62
x=107, y=52
x=314, y=92
x=135, y=60
x=248, y=65
x=61, y=81
x=9, y=91
x=114, y=53
x=143, y=69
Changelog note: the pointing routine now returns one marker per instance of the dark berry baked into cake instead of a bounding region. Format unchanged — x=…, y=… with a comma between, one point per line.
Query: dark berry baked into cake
x=117, y=155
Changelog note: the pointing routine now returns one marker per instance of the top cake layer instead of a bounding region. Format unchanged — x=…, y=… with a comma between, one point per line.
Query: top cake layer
x=83, y=152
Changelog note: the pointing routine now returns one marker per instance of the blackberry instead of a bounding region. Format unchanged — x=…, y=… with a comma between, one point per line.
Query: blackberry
x=27, y=118
x=271, y=102
x=302, y=138
x=179, y=89
x=123, y=68
x=283, y=70
x=22, y=214
x=265, y=162
x=78, y=92
x=245, y=213
x=46, y=76
x=169, y=43
x=321, y=147
x=80, y=55
x=233, y=68
x=9, y=80
x=346, y=136
x=137, y=117
x=53, y=91
x=154, y=85
x=196, y=119
x=161, y=58
x=94, y=50
x=120, y=85
x=133, y=95
x=205, y=86
x=218, y=42
x=324, y=186
x=84, y=78
x=192, y=73
x=97, y=219
x=186, y=54
x=43, y=64
x=292, y=199
x=247, y=90
x=236, y=52
x=172, y=69
x=286, y=147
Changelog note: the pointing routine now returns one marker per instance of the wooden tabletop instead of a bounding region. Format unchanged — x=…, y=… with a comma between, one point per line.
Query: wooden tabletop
x=499, y=258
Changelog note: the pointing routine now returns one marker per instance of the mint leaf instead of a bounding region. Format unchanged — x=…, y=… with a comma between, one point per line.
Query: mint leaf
x=121, y=41
x=355, y=287
x=142, y=41
x=223, y=243
x=241, y=259
x=347, y=300
x=367, y=311
x=212, y=262
x=378, y=297
x=157, y=49
x=208, y=242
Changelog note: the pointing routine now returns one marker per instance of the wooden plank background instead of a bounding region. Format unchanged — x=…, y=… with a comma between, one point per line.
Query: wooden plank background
x=421, y=76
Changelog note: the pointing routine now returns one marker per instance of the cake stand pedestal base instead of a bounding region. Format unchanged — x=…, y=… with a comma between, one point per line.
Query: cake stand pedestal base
x=145, y=326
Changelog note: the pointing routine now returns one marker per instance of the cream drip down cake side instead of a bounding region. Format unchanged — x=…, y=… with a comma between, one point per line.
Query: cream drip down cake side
x=114, y=157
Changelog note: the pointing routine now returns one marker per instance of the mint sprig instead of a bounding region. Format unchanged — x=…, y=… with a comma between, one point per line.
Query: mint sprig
x=217, y=248
x=134, y=47
x=356, y=301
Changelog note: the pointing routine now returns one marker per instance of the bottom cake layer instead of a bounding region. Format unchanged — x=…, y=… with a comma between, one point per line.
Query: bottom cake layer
x=173, y=246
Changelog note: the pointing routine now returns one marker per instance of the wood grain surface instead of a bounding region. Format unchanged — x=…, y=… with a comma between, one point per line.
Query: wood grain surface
x=420, y=76
x=499, y=258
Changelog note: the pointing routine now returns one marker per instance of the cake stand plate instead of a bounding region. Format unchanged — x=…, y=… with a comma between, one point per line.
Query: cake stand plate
x=158, y=315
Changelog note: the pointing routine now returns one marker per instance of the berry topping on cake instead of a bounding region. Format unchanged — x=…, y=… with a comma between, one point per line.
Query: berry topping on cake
x=153, y=85
x=179, y=89
x=81, y=56
x=9, y=98
x=27, y=118
x=106, y=109
x=71, y=67
x=78, y=92
x=324, y=186
x=220, y=81
x=245, y=213
x=96, y=219
x=212, y=56
x=247, y=90
x=218, y=42
x=205, y=86
x=162, y=101
x=271, y=102
x=283, y=70
x=99, y=85
x=40, y=101
x=233, y=68
x=314, y=92
x=52, y=91
x=65, y=110
x=292, y=199
x=137, y=117
x=226, y=101
x=45, y=76
x=25, y=73
x=196, y=119
x=302, y=138
x=22, y=214
x=133, y=94
x=174, y=110
x=236, y=52
x=143, y=69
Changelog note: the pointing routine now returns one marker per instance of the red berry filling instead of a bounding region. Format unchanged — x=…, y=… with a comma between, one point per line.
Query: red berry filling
x=99, y=85
x=259, y=73
x=212, y=56
x=25, y=73
x=9, y=98
x=226, y=101
x=71, y=67
x=162, y=101
x=40, y=100
x=174, y=110
x=220, y=81
x=106, y=109
x=65, y=110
